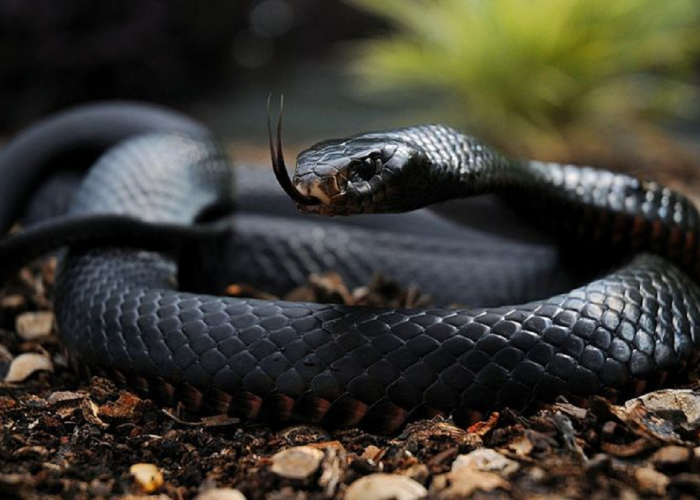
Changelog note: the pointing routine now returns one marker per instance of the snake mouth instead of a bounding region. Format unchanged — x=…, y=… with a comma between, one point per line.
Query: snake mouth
x=322, y=188
x=278, y=163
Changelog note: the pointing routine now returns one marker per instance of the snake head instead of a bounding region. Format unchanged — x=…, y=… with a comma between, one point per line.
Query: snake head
x=363, y=174
x=369, y=173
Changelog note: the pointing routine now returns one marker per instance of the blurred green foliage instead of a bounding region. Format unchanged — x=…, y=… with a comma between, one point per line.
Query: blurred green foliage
x=537, y=72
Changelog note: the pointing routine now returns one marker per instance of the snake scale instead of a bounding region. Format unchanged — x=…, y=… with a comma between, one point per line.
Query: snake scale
x=158, y=182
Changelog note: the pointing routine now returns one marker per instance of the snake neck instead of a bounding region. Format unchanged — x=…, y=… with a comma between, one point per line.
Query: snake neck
x=459, y=165
x=587, y=207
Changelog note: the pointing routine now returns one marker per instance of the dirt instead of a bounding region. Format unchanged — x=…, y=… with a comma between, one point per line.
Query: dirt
x=66, y=437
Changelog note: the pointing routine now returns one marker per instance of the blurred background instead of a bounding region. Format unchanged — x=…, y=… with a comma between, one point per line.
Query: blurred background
x=614, y=84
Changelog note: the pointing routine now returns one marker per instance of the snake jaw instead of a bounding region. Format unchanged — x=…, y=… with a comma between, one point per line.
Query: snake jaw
x=278, y=164
x=313, y=189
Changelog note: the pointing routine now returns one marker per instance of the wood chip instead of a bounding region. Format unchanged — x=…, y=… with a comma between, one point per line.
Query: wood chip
x=127, y=408
x=663, y=415
x=65, y=397
x=485, y=426
x=628, y=449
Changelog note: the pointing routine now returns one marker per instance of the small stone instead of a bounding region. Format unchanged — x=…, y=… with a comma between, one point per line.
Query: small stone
x=382, y=486
x=521, y=446
x=25, y=365
x=147, y=476
x=537, y=474
x=651, y=481
x=221, y=494
x=372, y=453
x=296, y=463
x=34, y=325
x=17, y=485
x=417, y=472
x=13, y=301
x=671, y=455
x=5, y=354
x=144, y=497
x=484, y=460
x=466, y=481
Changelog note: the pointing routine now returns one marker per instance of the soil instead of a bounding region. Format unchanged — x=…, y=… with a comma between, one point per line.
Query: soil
x=66, y=437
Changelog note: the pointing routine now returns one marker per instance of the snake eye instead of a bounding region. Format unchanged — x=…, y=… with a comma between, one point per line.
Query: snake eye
x=367, y=168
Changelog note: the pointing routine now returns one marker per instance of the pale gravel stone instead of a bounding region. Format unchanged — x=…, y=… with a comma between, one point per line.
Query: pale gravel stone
x=381, y=486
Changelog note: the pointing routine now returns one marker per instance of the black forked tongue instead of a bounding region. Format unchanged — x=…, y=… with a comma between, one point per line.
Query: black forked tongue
x=278, y=165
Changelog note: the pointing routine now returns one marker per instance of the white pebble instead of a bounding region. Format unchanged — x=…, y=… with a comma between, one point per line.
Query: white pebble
x=34, y=325
x=297, y=463
x=381, y=486
x=25, y=365
x=484, y=460
x=147, y=476
x=221, y=494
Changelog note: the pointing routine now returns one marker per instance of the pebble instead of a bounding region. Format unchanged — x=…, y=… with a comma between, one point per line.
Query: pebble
x=521, y=446
x=221, y=494
x=5, y=354
x=381, y=486
x=372, y=453
x=25, y=365
x=144, y=497
x=417, y=472
x=465, y=481
x=13, y=301
x=296, y=463
x=34, y=325
x=671, y=455
x=651, y=481
x=485, y=460
x=147, y=476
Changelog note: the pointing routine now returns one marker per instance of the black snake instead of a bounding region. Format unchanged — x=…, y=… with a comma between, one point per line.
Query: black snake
x=161, y=189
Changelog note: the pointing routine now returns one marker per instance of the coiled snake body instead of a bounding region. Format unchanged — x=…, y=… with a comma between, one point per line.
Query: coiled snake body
x=119, y=309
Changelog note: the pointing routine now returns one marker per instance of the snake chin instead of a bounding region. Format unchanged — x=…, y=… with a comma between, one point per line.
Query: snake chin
x=315, y=190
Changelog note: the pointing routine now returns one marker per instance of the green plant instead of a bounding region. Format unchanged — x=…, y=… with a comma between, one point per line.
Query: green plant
x=536, y=71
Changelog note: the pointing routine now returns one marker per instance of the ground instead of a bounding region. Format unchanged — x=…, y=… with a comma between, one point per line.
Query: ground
x=66, y=437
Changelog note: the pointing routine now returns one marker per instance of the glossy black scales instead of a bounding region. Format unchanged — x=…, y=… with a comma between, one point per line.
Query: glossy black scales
x=120, y=310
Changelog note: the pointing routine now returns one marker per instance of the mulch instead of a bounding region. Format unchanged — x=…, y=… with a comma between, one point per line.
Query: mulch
x=62, y=436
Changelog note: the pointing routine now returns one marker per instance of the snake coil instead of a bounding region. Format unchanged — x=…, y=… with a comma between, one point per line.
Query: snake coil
x=120, y=311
